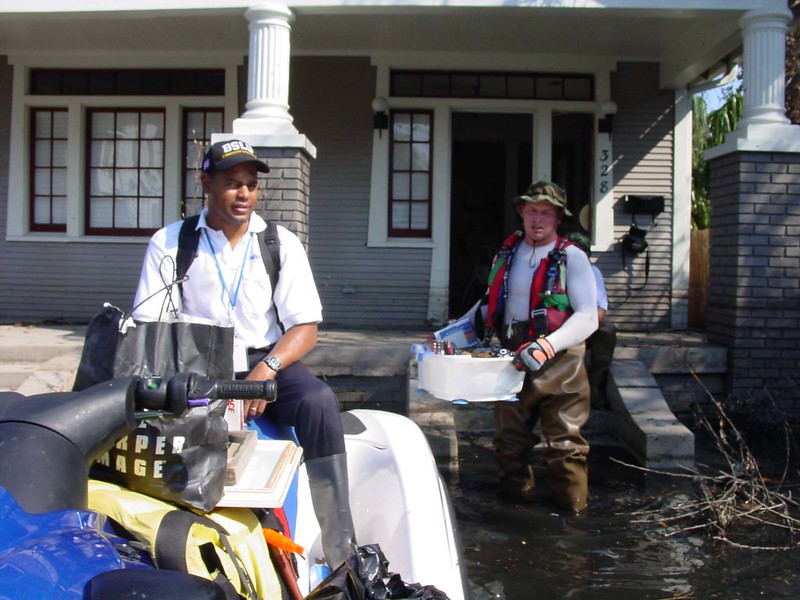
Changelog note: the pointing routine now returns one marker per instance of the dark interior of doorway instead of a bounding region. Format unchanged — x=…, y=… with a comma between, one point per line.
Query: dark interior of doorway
x=491, y=163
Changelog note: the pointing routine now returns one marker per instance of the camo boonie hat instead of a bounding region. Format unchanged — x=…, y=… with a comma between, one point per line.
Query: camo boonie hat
x=545, y=190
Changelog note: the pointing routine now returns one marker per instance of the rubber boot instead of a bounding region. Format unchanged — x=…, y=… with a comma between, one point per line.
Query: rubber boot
x=327, y=478
x=567, y=478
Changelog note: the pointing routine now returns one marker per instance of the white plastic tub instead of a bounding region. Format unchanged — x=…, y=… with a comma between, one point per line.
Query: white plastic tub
x=464, y=377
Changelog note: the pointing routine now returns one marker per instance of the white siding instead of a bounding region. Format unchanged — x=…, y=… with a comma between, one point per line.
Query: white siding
x=359, y=286
x=643, y=152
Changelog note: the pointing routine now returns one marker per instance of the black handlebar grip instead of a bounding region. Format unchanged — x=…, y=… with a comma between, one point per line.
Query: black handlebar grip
x=247, y=390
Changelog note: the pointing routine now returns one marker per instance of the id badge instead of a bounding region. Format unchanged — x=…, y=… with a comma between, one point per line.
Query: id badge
x=240, y=362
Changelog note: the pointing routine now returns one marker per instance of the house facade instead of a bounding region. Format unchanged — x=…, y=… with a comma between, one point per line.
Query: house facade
x=398, y=132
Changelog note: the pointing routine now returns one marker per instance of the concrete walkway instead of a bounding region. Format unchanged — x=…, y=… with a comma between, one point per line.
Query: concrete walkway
x=38, y=359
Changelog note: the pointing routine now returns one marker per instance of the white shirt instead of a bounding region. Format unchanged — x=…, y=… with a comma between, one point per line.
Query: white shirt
x=602, y=295
x=218, y=271
x=581, y=290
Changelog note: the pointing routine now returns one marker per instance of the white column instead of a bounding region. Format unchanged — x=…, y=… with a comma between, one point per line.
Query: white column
x=764, y=36
x=267, y=108
x=764, y=126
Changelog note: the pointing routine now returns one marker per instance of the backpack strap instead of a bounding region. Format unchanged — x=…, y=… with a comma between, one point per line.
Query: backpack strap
x=189, y=238
x=170, y=546
x=271, y=255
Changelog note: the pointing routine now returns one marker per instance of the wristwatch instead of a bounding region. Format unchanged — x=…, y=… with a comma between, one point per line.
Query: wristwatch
x=273, y=362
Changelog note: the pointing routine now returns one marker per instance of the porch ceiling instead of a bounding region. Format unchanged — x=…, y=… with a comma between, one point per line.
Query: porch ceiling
x=685, y=42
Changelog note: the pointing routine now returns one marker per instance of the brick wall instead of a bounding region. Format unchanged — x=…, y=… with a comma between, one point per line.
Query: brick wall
x=285, y=198
x=754, y=283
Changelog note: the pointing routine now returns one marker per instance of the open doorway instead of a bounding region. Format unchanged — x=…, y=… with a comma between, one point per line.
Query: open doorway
x=491, y=163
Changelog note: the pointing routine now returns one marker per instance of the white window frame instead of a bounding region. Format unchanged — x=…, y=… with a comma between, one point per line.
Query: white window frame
x=18, y=215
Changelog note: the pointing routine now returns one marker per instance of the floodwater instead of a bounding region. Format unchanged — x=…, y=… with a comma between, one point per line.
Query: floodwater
x=529, y=552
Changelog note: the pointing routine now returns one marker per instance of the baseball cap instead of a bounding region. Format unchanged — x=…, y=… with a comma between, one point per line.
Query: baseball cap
x=222, y=156
x=547, y=191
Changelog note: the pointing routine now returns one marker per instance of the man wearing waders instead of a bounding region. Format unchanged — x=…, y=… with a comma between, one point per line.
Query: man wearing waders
x=541, y=303
x=275, y=325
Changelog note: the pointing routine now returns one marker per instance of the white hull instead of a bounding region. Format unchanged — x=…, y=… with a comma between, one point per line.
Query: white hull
x=398, y=501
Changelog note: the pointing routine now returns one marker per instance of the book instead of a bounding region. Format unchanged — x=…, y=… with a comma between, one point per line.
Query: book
x=266, y=478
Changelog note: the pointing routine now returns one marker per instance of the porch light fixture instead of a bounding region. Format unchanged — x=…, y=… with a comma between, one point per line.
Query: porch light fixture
x=380, y=118
x=606, y=124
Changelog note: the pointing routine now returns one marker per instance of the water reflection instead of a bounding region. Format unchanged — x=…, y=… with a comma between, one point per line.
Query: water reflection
x=528, y=552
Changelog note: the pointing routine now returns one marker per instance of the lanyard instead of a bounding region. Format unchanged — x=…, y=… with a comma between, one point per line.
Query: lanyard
x=234, y=298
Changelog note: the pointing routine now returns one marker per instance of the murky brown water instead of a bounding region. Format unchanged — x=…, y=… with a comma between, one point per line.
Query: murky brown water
x=530, y=552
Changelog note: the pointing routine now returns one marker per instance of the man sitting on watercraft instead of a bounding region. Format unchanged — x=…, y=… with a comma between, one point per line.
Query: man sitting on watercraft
x=274, y=329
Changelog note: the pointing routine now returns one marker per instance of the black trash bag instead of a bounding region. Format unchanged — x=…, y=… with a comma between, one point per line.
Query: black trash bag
x=177, y=459
x=365, y=576
x=99, y=348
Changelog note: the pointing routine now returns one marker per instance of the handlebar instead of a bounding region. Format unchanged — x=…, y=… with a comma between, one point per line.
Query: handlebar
x=183, y=391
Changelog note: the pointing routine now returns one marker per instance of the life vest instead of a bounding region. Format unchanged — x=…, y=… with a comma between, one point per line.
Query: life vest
x=226, y=546
x=549, y=303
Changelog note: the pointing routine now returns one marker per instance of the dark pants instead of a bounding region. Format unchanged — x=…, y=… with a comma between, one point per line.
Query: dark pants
x=308, y=404
x=600, y=353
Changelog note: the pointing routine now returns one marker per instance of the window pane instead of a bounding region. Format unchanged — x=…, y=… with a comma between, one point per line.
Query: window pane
x=101, y=212
x=101, y=182
x=435, y=85
x=59, y=182
x=402, y=127
x=42, y=157
x=419, y=186
x=60, y=121
x=126, y=182
x=401, y=186
x=465, y=86
x=195, y=124
x=152, y=126
x=41, y=210
x=400, y=215
x=420, y=157
x=43, y=120
x=419, y=215
x=59, y=153
x=213, y=123
x=578, y=89
x=152, y=154
x=41, y=182
x=401, y=157
x=520, y=87
x=127, y=125
x=549, y=88
x=150, y=213
x=422, y=128
x=125, y=213
x=151, y=182
x=59, y=208
x=407, y=84
x=103, y=125
x=127, y=154
x=493, y=86
x=102, y=154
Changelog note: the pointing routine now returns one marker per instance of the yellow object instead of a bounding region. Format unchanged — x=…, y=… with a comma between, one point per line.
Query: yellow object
x=174, y=536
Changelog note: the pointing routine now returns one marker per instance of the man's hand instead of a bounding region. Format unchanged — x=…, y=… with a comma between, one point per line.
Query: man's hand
x=532, y=356
x=256, y=408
